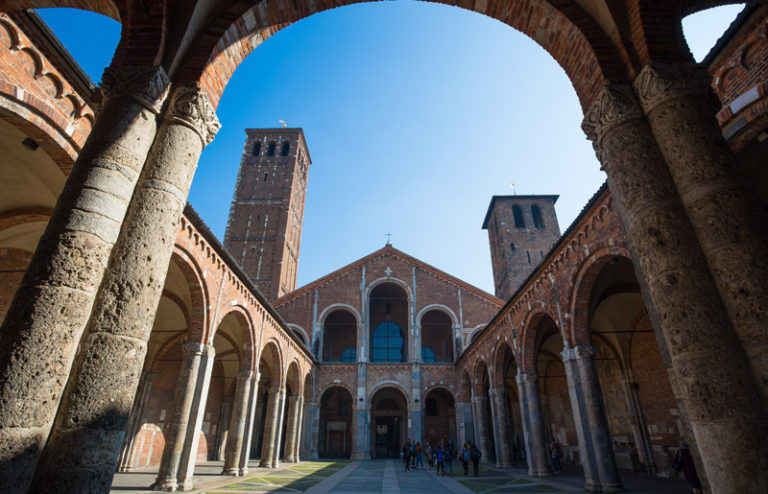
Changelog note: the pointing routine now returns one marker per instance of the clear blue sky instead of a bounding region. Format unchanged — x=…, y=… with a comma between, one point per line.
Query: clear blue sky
x=415, y=114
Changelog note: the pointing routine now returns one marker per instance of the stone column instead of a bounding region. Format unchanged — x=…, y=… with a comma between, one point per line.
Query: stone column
x=299, y=430
x=578, y=407
x=711, y=369
x=536, y=444
x=415, y=405
x=730, y=222
x=306, y=428
x=43, y=326
x=481, y=427
x=279, y=435
x=499, y=407
x=252, y=417
x=600, y=433
x=105, y=373
x=291, y=416
x=237, y=423
x=639, y=427
x=125, y=462
x=184, y=395
x=270, y=450
x=314, y=421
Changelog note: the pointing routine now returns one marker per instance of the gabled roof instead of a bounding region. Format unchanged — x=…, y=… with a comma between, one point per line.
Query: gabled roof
x=388, y=249
x=495, y=198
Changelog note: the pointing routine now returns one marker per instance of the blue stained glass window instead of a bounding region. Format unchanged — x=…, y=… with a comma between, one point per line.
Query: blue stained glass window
x=387, y=343
x=349, y=354
x=427, y=355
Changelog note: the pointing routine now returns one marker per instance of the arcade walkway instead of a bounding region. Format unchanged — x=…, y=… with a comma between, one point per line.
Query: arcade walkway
x=386, y=477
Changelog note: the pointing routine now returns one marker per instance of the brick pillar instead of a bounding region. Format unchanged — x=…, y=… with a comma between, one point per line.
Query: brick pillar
x=41, y=332
x=237, y=424
x=730, y=222
x=711, y=369
x=578, y=407
x=105, y=373
x=270, y=447
x=498, y=397
x=125, y=462
x=291, y=416
x=536, y=440
x=600, y=433
x=251, y=418
x=314, y=431
x=184, y=397
x=481, y=427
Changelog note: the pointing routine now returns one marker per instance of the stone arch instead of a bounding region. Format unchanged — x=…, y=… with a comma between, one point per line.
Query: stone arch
x=330, y=308
x=292, y=377
x=439, y=414
x=379, y=281
x=441, y=307
x=336, y=434
x=199, y=318
x=300, y=332
x=444, y=387
x=388, y=309
x=498, y=361
x=330, y=385
x=480, y=373
x=531, y=338
x=579, y=45
x=583, y=283
x=465, y=390
x=436, y=334
x=339, y=335
x=388, y=404
x=392, y=384
x=273, y=357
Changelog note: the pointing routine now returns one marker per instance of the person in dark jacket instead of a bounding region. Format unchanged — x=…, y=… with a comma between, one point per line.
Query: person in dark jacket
x=406, y=454
x=474, y=455
x=683, y=461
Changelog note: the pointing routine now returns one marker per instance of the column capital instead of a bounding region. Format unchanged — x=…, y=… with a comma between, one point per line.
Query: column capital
x=584, y=352
x=527, y=377
x=658, y=82
x=568, y=354
x=245, y=375
x=198, y=348
x=191, y=107
x=147, y=86
x=615, y=105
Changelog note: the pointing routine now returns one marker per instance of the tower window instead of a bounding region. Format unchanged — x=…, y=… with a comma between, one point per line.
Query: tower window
x=528, y=253
x=271, y=148
x=256, y=149
x=538, y=221
x=518, y=214
x=265, y=176
x=285, y=148
x=541, y=253
x=512, y=247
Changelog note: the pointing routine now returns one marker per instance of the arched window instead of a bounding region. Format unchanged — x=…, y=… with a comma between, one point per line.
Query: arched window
x=518, y=214
x=512, y=247
x=436, y=337
x=285, y=148
x=256, y=149
x=271, y=148
x=427, y=355
x=387, y=343
x=340, y=337
x=538, y=220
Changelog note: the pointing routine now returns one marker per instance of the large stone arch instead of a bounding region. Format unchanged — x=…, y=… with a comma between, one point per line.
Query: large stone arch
x=273, y=357
x=336, y=306
x=498, y=361
x=199, y=318
x=530, y=338
x=246, y=352
x=579, y=45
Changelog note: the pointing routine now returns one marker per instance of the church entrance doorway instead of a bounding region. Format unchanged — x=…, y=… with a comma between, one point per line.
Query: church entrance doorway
x=335, y=438
x=388, y=423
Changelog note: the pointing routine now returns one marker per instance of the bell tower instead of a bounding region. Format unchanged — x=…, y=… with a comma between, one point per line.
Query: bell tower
x=265, y=218
x=521, y=230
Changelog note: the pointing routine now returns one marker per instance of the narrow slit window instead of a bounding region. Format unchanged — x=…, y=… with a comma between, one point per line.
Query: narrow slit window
x=528, y=253
x=256, y=149
x=271, y=148
x=518, y=214
x=285, y=148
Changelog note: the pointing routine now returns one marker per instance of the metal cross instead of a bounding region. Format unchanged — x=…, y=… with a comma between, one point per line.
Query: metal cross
x=389, y=237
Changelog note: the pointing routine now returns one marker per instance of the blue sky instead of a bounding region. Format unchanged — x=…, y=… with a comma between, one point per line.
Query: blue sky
x=415, y=114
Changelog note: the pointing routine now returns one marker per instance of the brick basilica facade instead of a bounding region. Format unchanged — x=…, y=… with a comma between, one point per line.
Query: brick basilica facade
x=131, y=337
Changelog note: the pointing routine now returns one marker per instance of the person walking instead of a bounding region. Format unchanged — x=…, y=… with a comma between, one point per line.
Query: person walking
x=429, y=452
x=464, y=457
x=419, y=458
x=440, y=459
x=683, y=461
x=406, y=454
x=555, y=452
x=475, y=454
x=448, y=457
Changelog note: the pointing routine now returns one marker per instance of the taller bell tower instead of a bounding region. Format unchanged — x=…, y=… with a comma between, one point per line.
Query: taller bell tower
x=521, y=230
x=264, y=228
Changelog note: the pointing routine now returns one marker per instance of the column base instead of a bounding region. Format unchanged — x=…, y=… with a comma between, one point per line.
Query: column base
x=275, y=464
x=187, y=485
x=264, y=463
x=243, y=471
x=542, y=473
x=169, y=485
x=125, y=468
x=233, y=471
x=613, y=487
x=314, y=456
x=357, y=456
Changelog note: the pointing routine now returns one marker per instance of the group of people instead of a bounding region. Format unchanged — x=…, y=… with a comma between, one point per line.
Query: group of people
x=440, y=457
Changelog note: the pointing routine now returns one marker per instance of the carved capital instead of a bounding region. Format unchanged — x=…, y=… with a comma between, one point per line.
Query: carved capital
x=658, y=82
x=614, y=106
x=584, y=351
x=191, y=107
x=527, y=377
x=147, y=86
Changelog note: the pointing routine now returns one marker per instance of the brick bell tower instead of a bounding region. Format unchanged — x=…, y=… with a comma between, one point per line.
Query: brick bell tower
x=264, y=228
x=521, y=230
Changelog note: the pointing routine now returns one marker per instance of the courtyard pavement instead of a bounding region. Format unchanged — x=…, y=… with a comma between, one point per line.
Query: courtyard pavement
x=386, y=477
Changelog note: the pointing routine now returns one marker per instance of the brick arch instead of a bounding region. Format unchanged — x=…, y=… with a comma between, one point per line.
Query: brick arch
x=295, y=382
x=657, y=32
x=164, y=349
x=388, y=383
x=277, y=375
x=583, y=282
x=438, y=307
x=572, y=37
x=477, y=376
x=321, y=392
x=21, y=216
x=193, y=274
x=454, y=395
x=246, y=330
x=529, y=338
x=109, y=8
x=339, y=306
x=465, y=389
x=497, y=366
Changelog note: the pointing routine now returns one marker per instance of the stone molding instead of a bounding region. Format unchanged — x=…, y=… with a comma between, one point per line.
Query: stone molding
x=615, y=105
x=147, y=86
x=197, y=348
x=659, y=82
x=190, y=106
x=527, y=377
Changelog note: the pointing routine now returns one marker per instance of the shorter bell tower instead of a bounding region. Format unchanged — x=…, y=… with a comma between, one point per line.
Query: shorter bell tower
x=521, y=230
